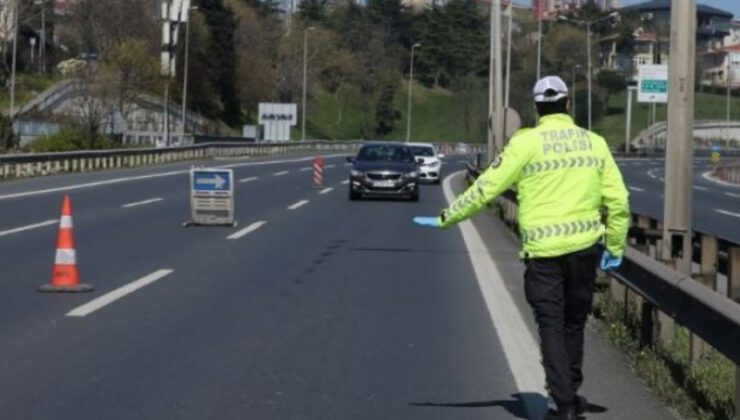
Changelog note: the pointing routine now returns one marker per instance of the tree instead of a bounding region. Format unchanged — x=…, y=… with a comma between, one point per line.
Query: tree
x=612, y=82
x=386, y=114
x=221, y=62
x=129, y=71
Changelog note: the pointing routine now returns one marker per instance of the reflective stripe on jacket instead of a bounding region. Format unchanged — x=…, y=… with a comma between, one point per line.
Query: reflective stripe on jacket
x=564, y=176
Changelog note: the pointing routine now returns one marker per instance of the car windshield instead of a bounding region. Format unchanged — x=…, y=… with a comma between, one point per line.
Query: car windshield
x=422, y=151
x=385, y=153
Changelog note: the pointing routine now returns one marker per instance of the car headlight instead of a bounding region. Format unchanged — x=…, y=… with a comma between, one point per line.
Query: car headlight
x=412, y=174
x=434, y=164
x=356, y=173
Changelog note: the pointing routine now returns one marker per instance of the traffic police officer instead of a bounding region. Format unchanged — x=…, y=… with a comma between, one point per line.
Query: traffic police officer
x=564, y=175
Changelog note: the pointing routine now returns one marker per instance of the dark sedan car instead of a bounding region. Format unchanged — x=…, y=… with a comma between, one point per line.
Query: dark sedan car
x=384, y=170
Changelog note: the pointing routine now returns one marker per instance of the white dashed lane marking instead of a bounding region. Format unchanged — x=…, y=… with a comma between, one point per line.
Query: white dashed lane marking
x=250, y=179
x=29, y=227
x=119, y=293
x=326, y=190
x=247, y=230
x=142, y=203
x=298, y=205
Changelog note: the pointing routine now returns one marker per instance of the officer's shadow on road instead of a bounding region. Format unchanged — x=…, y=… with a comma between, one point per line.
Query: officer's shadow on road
x=516, y=406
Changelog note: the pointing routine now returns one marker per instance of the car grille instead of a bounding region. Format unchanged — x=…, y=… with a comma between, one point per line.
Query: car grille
x=379, y=177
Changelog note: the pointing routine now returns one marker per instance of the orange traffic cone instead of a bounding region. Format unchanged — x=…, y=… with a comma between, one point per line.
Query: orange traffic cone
x=65, y=277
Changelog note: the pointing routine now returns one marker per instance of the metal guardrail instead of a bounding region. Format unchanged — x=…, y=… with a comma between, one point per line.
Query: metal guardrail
x=707, y=314
x=36, y=164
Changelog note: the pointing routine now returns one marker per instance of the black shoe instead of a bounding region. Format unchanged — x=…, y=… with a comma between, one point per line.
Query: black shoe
x=581, y=405
x=568, y=413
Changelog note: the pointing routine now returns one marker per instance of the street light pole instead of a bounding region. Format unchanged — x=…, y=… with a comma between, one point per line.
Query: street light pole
x=411, y=81
x=305, y=79
x=729, y=87
x=185, y=72
x=539, y=47
x=590, y=71
x=573, y=86
x=15, y=55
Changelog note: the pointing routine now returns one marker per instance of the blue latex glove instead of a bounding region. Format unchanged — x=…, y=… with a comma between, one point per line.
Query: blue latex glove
x=427, y=221
x=609, y=262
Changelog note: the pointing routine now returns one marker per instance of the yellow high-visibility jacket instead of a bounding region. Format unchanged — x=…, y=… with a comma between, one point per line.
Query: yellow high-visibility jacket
x=564, y=176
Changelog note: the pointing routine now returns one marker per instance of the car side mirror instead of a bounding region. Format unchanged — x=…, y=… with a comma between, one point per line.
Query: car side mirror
x=441, y=155
x=419, y=161
x=350, y=159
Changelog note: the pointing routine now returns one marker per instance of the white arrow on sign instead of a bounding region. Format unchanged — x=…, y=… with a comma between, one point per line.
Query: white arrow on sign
x=217, y=181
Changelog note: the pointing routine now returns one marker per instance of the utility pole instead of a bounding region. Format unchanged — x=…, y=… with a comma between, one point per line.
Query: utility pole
x=628, y=128
x=408, y=100
x=679, y=171
x=491, y=52
x=498, y=105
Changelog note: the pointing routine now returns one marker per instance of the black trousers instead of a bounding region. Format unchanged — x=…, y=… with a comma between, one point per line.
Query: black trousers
x=560, y=291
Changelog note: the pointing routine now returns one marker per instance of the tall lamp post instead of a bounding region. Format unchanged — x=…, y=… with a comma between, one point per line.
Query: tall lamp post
x=730, y=83
x=588, y=52
x=305, y=78
x=408, y=101
x=15, y=55
x=185, y=72
x=573, y=86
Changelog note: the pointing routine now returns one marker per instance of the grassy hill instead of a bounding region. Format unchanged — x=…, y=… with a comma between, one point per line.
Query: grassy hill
x=708, y=106
x=438, y=115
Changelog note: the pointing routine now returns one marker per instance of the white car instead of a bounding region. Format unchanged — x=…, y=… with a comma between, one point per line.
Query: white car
x=431, y=169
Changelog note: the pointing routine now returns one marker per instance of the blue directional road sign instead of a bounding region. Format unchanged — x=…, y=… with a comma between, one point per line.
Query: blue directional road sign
x=207, y=180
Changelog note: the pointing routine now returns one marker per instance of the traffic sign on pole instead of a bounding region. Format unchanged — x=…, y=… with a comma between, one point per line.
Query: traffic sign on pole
x=652, y=84
x=211, y=197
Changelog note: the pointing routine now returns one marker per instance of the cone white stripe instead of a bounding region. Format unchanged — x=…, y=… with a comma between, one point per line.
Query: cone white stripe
x=65, y=222
x=66, y=257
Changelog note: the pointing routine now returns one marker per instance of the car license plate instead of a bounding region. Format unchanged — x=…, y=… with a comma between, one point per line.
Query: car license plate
x=384, y=184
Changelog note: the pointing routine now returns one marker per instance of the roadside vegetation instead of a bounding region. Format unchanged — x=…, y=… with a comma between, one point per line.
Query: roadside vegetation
x=702, y=390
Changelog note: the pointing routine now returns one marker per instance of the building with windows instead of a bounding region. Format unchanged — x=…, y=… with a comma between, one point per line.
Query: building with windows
x=650, y=43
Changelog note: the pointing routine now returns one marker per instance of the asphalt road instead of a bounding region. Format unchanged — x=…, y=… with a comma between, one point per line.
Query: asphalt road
x=324, y=309
x=716, y=206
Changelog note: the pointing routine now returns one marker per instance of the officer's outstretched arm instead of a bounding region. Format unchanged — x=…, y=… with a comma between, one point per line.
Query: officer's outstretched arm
x=503, y=173
x=616, y=199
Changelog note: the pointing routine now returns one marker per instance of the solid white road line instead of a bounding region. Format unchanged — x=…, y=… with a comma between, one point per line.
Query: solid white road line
x=144, y=177
x=113, y=296
x=729, y=194
x=29, y=227
x=345, y=182
x=728, y=213
x=520, y=347
x=636, y=189
x=247, y=230
x=306, y=169
x=298, y=205
x=326, y=190
x=281, y=173
x=701, y=188
x=141, y=203
x=250, y=179
x=329, y=166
